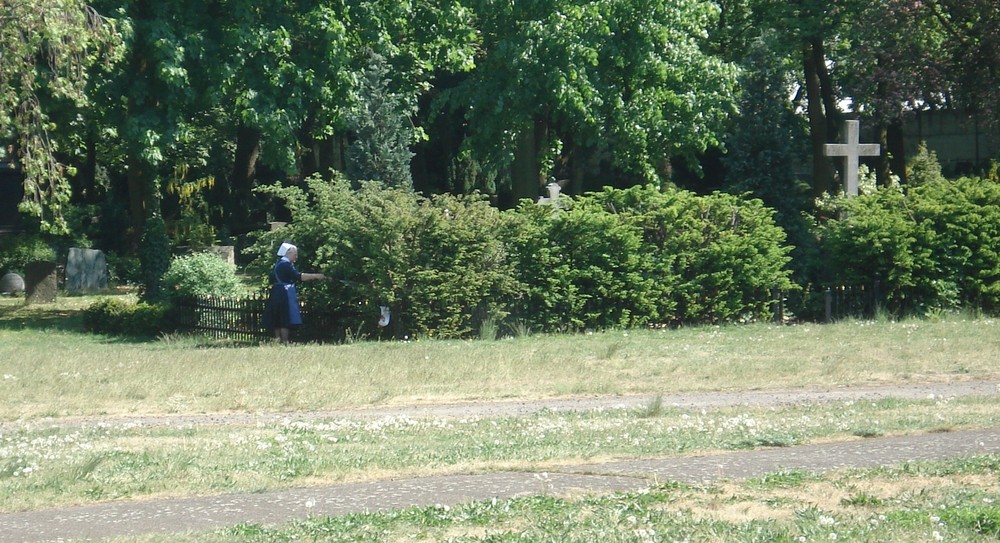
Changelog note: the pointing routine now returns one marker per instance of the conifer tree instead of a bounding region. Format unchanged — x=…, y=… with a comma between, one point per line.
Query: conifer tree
x=382, y=126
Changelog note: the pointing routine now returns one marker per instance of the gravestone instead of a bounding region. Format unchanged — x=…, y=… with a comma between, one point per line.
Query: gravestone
x=225, y=252
x=41, y=282
x=11, y=283
x=554, y=189
x=86, y=270
x=851, y=150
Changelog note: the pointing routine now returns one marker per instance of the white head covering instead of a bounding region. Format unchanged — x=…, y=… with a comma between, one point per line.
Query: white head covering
x=285, y=247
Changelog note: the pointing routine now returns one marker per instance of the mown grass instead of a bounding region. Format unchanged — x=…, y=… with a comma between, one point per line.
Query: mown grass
x=51, y=371
x=44, y=465
x=954, y=500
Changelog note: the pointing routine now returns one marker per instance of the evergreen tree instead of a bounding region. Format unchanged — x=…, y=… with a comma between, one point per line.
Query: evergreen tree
x=382, y=126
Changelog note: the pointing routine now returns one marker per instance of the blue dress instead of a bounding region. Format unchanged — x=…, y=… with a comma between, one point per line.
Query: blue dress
x=282, y=310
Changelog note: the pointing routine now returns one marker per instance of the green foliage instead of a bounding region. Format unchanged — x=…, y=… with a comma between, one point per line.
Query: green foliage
x=154, y=258
x=123, y=269
x=714, y=258
x=114, y=316
x=44, y=68
x=450, y=266
x=18, y=251
x=964, y=219
x=437, y=262
x=628, y=78
x=934, y=246
x=381, y=151
x=923, y=167
x=201, y=274
x=579, y=268
x=192, y=226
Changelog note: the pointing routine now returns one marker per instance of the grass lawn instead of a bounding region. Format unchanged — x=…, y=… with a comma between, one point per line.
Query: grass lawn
x=51, y=374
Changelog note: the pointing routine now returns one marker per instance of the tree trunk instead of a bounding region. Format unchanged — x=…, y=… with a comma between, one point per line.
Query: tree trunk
x=895, y=148
x=526, y=176
x=238, y=195
x=822, y=172
x=882, y=171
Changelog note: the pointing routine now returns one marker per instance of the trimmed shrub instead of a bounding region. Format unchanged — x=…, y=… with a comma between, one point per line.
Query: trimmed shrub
x=437, y=262
x=579, y=268
x=712, y=258
x=935, y=245
x=117, y=317
x=201, y=274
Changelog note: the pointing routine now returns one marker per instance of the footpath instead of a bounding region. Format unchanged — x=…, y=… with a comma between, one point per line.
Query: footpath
x=193, y=514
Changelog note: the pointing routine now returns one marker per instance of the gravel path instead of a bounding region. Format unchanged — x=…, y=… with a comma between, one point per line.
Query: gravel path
x=687, y=400
x=204, y=513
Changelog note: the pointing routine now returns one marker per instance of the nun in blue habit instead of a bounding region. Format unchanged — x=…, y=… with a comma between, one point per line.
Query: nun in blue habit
x=282, y=309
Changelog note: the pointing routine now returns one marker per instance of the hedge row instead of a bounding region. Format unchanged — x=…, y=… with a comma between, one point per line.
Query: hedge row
x=619, y=258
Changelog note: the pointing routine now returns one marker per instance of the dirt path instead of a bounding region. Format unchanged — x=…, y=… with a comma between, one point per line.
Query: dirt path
x=514, y=408
x=132, y=518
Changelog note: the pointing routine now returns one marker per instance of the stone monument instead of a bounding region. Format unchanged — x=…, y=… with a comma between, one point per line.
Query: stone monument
x=225, y=252
x=553, y=198
x=11, y=283
x=851, y=150
x=42, y=284
x=86, y=270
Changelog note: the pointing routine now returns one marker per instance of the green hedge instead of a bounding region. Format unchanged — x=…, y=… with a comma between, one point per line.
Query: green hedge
x=113, y=316
x=437, y=262
x=933, y=245
x=447, y=264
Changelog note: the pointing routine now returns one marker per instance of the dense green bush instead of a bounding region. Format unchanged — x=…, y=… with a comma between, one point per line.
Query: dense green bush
x=579, y=267
x=935, y=245
x=964, y=218
x=713, y=258
x=114, y=316
x=201, y=274
x=437, y=262
x=446, y=264
x=876, y=238
x=17, y=251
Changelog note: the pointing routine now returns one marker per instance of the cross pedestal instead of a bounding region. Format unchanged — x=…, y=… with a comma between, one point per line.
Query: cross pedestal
x=851, y=149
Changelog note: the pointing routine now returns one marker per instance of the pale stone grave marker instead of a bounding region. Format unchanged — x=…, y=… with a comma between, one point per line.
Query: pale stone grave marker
x=851, y=150
x=225, y=252
x=11, y=283
x=553, y=197
x=86, y=270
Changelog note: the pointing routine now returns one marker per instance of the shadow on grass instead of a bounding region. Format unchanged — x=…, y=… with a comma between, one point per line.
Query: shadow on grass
x=65, y=315
x=16, y=315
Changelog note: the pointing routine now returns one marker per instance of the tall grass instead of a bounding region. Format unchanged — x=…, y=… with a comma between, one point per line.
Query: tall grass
x=50, y=370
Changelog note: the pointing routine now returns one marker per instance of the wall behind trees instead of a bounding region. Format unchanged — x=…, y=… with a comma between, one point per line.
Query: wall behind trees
x=964, y=144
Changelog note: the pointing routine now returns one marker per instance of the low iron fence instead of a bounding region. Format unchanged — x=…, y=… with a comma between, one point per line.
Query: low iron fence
x=827, y=304
x=239, y=319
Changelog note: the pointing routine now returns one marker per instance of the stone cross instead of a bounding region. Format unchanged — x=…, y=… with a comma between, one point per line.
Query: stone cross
x=852, y=150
